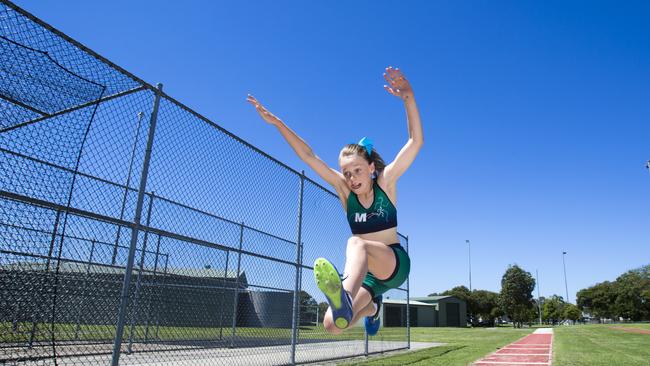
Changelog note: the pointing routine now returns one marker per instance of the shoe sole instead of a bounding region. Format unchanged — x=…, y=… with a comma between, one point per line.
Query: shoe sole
x=328, y=281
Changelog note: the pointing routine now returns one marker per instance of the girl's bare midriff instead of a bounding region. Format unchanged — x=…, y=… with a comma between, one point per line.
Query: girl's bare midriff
x=388, y=236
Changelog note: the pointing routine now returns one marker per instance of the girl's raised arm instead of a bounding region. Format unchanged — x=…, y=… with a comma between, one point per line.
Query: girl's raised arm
x=304, y=151
x=401, y=88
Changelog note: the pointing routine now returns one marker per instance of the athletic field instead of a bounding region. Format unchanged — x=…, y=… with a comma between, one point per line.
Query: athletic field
x=607, y=344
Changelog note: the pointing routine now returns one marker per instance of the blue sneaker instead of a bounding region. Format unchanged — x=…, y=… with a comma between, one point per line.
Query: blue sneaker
x=373, y=322
x=328, y=280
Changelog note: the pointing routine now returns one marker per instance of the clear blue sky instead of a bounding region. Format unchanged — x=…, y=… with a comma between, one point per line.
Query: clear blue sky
x=536, y=114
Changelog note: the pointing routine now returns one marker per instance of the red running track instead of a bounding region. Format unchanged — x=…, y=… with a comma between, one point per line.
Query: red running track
x=533, y=349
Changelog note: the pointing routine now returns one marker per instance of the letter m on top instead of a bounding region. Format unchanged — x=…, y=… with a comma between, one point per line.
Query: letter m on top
x=359, y=217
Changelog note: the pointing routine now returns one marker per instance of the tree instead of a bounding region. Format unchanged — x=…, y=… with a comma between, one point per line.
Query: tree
x=306, y=299
x=516, y=294
x=598, y=300
x=531, y=315
x=538, y=304
x=307, y=308
x=631, y=294
x=484, y=304
x=460, y=292
x=497, y=312
x=572, y=312
x=322, y=308
x=628, y=297
x=553, y=309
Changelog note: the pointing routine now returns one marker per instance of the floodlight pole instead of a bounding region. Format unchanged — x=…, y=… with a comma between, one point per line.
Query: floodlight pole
x=539, y=304
x=566, y=288
x=469, y=259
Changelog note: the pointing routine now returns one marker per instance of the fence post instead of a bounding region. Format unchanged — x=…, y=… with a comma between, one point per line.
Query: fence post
x=156, y=335
x=46, y=277
x=223, y=298
x=295, y=313
x=155, y=268
x=139, y=281
x=128, y=185
x=236, y=292
x=365, y=344
x=408, y=303
x=81, y=309
x=135, y=230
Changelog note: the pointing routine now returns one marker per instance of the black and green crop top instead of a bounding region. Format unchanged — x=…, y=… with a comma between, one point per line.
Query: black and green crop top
x=381, y=215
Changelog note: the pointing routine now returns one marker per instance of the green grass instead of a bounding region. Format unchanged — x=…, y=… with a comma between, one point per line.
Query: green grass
x=463, y=345
x=106, y=333
x=69, y=332
x=645, y=326
x=573, y=345
x=579, y=345
x=600, y=345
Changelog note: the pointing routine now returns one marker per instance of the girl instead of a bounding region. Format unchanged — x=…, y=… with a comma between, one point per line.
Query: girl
x=367, y=188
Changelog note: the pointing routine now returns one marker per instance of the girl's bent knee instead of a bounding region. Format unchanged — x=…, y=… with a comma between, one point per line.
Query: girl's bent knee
x=357, y=242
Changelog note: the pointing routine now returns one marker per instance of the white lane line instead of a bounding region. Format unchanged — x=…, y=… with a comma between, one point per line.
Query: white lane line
x=550, y=356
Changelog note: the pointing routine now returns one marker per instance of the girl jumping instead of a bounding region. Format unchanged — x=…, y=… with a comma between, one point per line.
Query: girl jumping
x=367, y=188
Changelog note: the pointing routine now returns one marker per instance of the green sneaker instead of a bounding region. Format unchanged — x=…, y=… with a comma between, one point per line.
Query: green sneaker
x=328, y=280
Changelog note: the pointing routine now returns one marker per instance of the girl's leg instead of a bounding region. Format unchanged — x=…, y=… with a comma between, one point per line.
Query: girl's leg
x=362, y=256
x=362, y=310
x=362, y=305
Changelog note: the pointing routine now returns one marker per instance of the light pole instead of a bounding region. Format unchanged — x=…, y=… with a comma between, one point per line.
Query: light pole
x=539, y=304
x=566, y=288
x=469, y=259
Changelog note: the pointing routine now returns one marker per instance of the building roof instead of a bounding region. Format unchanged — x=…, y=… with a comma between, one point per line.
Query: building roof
x=403, y=302
x=435, y=298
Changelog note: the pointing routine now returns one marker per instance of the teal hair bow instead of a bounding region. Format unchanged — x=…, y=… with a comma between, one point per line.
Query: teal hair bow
x=367, y=143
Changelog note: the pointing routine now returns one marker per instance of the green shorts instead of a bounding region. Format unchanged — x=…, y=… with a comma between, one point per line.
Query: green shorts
x=377, y=287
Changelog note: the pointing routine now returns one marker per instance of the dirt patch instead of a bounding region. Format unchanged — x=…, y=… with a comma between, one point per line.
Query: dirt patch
x=632, y=330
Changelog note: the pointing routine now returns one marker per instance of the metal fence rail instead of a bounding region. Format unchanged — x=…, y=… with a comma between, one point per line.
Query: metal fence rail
x=133, y=230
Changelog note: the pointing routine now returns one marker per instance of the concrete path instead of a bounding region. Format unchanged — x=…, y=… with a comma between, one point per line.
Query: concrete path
x=533, y=349
x=255, y=356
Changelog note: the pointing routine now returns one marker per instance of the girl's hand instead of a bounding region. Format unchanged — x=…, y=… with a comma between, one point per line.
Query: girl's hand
x=264, y=113
x=397, y=84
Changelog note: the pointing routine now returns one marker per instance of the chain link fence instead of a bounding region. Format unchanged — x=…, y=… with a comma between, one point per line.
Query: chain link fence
x=134, y=231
